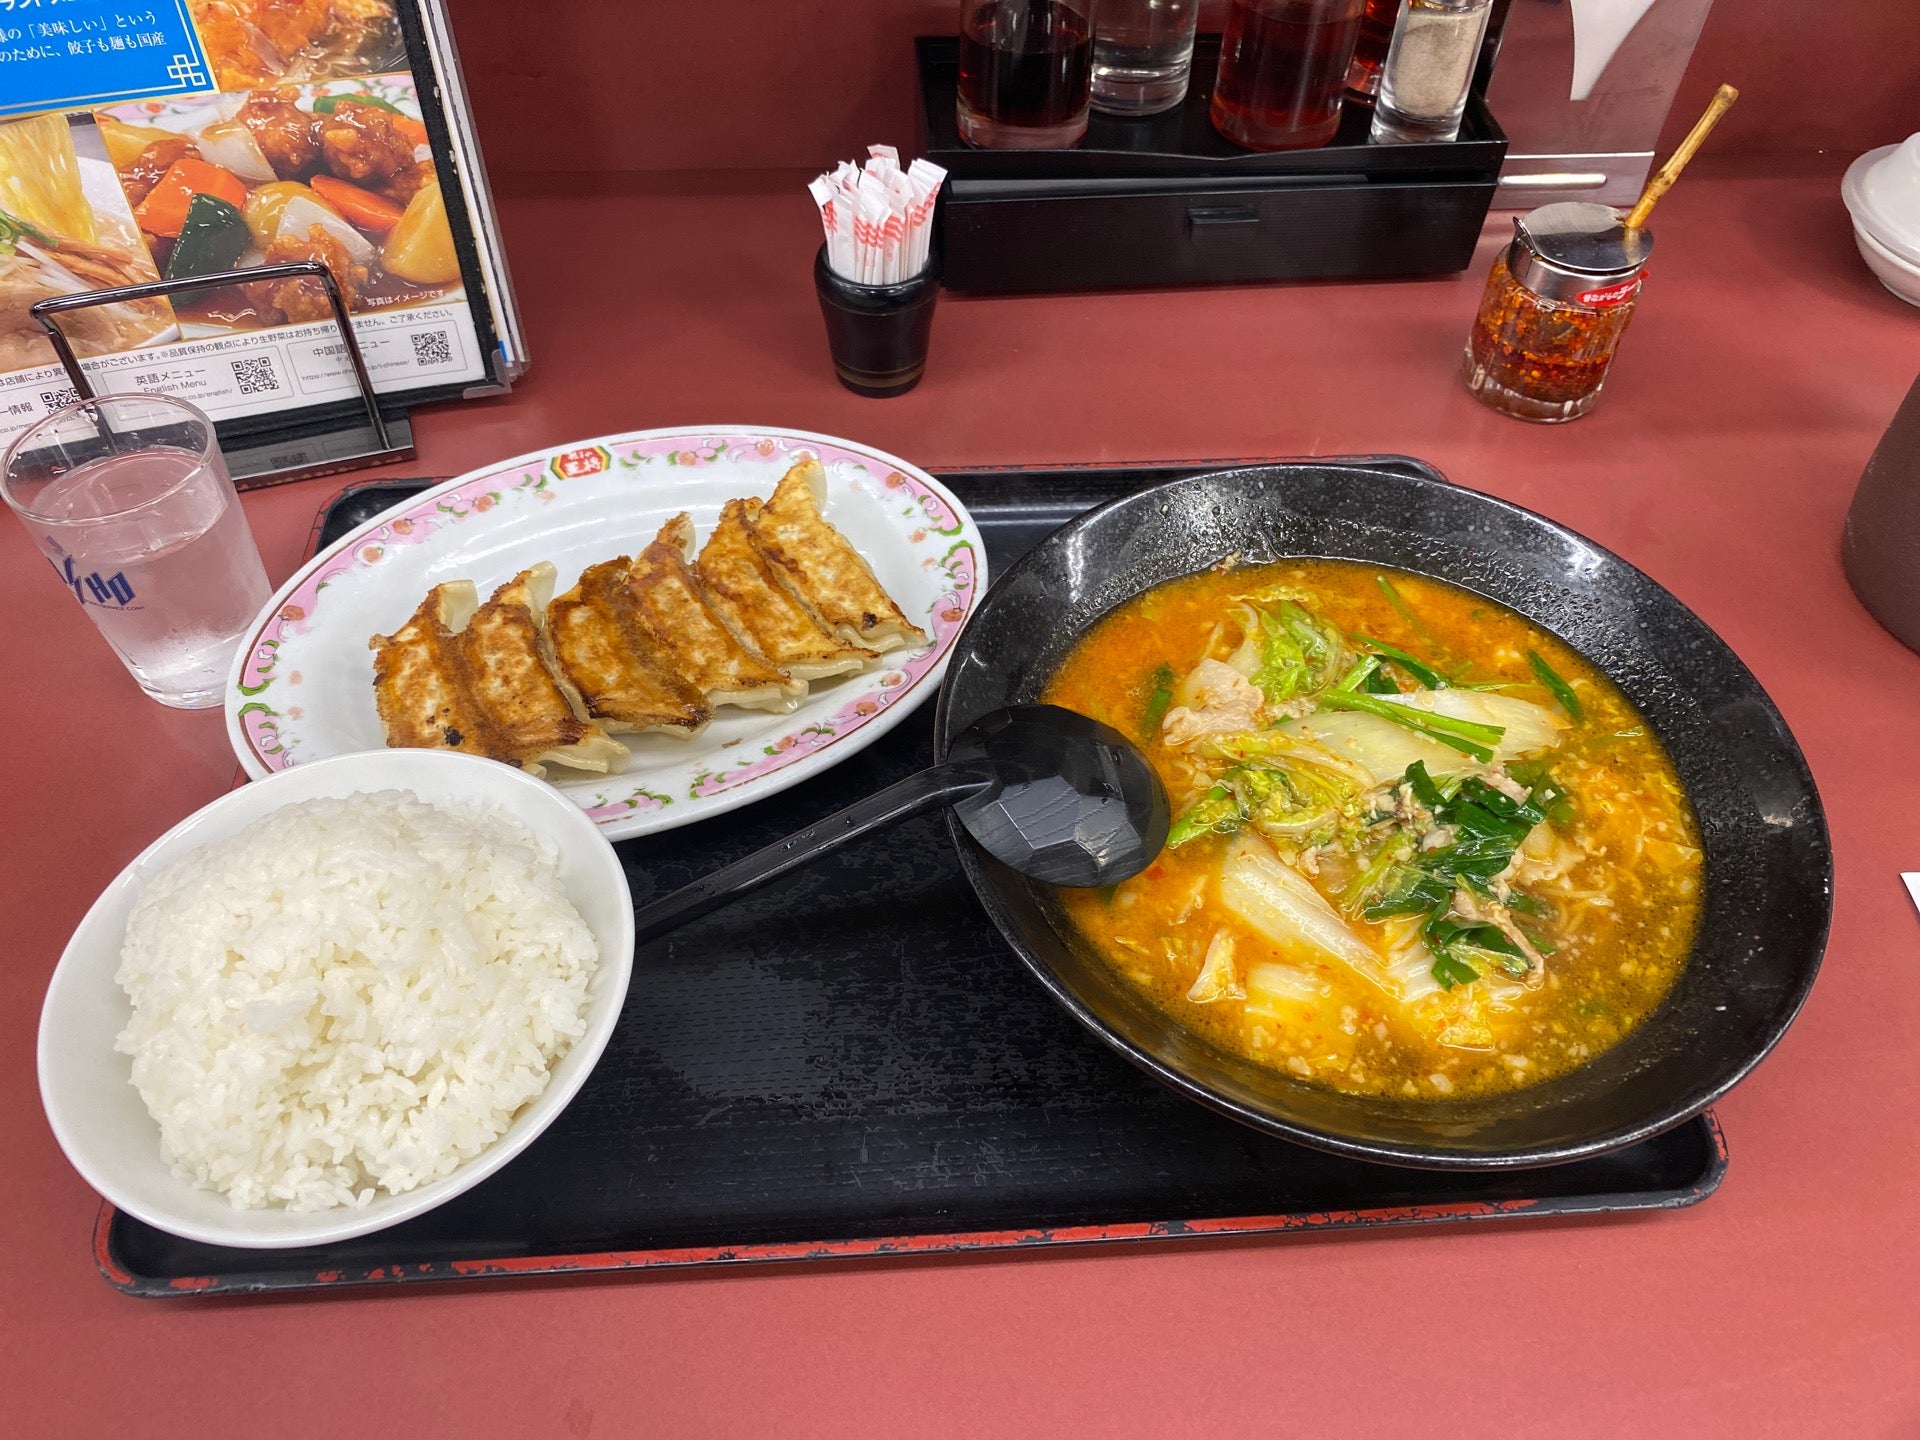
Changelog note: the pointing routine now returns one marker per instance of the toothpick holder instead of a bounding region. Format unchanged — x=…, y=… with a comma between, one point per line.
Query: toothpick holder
x=877, y=334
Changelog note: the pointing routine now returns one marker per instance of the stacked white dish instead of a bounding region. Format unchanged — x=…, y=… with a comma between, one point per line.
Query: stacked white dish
x=1882, y=193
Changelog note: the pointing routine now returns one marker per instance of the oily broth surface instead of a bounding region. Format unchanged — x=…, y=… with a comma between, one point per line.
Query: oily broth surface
x=1626, y=913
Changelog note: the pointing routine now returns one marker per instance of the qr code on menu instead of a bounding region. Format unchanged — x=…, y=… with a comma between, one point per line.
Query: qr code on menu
x=255, y=375
x=431, y=347
x=54, y=399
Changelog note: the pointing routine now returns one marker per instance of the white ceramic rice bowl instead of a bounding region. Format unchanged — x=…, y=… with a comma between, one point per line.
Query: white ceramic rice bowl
x=100, y=1120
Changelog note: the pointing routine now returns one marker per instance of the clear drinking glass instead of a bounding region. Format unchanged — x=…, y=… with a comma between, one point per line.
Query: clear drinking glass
x=1142, y=54
x=1026, y=71
x=129, y=498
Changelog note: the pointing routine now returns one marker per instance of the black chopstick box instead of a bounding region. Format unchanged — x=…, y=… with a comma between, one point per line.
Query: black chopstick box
x=1165, y=201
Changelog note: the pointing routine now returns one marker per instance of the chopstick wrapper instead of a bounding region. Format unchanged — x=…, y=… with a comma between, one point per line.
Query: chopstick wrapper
x=878, y=217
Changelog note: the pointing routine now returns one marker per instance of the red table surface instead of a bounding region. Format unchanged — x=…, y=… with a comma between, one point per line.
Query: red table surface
x=1761, y=369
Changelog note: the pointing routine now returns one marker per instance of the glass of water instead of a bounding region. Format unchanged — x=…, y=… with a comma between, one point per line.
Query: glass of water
x=1142, y=54
x=130, y=501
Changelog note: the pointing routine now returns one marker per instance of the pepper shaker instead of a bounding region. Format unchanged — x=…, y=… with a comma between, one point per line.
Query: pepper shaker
x=1429, y=68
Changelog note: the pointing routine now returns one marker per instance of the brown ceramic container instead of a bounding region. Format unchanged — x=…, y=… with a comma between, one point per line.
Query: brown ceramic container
x=1881, y=548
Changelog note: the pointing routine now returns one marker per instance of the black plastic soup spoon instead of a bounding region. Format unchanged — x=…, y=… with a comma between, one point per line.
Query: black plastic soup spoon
x=1058, y=797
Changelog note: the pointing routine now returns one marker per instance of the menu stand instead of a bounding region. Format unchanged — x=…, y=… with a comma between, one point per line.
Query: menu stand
x=272, y=460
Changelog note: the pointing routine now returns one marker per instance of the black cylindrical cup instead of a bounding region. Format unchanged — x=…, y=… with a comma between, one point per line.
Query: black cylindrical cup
x=877, y=334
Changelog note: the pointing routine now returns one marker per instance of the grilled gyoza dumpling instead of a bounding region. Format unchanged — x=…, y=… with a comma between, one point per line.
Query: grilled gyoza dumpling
x=610, y=659
x=515, y=676
x=670, y=601
x=744, y=591
x=420, y=684
x=819, y=566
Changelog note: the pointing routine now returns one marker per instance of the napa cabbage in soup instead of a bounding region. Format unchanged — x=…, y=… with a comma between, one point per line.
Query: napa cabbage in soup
x=1420, y=847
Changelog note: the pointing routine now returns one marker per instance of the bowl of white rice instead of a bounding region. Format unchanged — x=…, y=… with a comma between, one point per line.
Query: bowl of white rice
x=335, y=998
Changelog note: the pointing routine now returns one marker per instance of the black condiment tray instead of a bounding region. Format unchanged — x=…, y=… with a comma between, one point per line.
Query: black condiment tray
x=1166, y=200
x=852, y=1064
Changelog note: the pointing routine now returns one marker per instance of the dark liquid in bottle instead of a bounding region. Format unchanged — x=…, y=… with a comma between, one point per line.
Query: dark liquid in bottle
x=1283, y=68
x=1370, y=50
x=1024, y=67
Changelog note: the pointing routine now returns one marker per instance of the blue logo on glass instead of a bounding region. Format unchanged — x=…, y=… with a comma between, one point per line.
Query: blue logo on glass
x=93, y=587
x=72, y=54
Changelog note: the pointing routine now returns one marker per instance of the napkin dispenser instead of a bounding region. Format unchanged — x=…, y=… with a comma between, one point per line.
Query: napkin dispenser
x=1582, y=88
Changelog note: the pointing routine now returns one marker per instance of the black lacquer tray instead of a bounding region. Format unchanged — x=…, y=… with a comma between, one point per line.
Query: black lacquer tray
x=852, y=1063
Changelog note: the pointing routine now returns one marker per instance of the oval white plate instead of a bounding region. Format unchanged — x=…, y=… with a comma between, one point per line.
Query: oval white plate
x=86, y=1085
x=302, y=684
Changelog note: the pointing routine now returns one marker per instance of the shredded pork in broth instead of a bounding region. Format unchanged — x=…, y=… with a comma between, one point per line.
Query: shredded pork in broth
x=1420, y=847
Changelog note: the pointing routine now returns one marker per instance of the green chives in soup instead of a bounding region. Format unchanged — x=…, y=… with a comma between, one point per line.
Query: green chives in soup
x=1420, y=847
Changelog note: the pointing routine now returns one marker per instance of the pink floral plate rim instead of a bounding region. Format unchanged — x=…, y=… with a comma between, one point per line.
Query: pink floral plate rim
x=944, y=536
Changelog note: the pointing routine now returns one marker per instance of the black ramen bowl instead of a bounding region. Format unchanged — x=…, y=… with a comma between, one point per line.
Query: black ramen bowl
x=1768, y=866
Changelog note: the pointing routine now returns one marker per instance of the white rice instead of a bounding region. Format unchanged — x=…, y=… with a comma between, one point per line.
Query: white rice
x=349, y=996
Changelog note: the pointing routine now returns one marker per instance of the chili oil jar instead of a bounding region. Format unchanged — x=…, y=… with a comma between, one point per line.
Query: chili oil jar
x=1555, y=307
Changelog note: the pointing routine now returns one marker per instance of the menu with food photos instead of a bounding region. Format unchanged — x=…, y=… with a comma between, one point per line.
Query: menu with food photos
x=150, y=139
